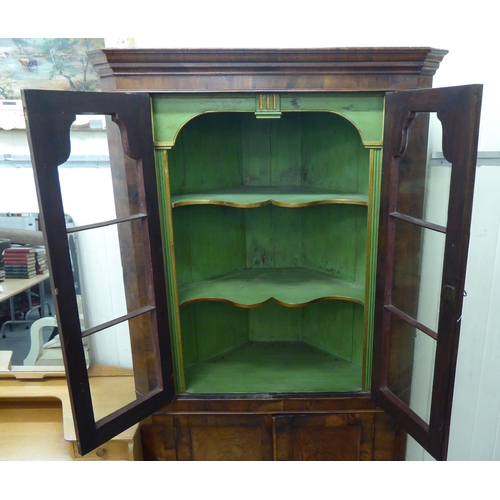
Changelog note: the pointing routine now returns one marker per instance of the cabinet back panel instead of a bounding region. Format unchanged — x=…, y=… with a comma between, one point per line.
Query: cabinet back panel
x=273, y=322
x=212, y=240
x=271, y=151
x=221, y=150
x=207, y=154
x=274, y=237
x=212, y=328
x=334, y=240
x=209, y=241
x=336, y=327
x=333, y=156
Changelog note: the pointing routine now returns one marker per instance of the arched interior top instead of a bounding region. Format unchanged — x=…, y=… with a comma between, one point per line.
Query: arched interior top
x=300, y=153
x=171, y=113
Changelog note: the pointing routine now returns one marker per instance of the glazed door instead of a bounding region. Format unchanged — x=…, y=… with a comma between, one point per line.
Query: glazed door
x=422, y=256
x=106, y=268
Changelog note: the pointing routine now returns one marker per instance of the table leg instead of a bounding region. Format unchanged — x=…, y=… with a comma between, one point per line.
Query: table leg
x=12, y=317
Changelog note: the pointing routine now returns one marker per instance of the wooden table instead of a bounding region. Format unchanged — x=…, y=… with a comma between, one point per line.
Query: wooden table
x=12, y=287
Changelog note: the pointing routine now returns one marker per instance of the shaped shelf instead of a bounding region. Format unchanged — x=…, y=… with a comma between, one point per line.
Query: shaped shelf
x=250, y=197
x=292, y=287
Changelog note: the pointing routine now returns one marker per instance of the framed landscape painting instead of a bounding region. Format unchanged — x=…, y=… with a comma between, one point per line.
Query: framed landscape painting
x=46, y=63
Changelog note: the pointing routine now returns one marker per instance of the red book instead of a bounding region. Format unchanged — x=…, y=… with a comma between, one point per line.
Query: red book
x=19, y=255
x=27, y=256
x=8, y=260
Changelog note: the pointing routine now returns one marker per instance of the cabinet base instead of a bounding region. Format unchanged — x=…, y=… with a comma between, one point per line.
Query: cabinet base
x=343, y=428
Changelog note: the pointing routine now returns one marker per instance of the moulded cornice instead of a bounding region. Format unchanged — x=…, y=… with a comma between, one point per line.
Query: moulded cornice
x=266, y=69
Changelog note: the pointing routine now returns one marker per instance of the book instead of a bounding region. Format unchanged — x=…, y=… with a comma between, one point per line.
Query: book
x=26, y=261
x=15, y=252
x=19, y=269
x=19, y=250
x=17, y=276
x=41, y=261
x=18, y=264
x=23, y=269
x=19, y=255
x=16, y=267
x=13, y=268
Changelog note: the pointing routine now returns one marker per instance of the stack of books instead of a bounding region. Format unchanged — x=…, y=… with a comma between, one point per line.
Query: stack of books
x=41, y=261
x=19, y=262
x=4, y=243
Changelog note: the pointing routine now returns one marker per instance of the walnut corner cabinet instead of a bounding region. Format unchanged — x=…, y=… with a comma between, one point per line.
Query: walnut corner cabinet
x=291, y=265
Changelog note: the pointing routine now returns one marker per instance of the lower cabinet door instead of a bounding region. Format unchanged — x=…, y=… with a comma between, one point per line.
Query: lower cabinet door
x=357, y=435
x=224, y=437
x=344, y=436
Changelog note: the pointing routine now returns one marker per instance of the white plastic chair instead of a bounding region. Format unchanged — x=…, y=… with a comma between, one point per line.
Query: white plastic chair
x=37, y=349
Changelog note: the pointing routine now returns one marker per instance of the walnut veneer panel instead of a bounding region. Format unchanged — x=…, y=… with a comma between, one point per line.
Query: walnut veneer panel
x=224, y=437
x=347, y=436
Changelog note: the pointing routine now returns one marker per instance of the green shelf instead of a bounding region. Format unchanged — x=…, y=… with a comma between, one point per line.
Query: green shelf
x=248, y=197
x=273, y=367
x=291, y=287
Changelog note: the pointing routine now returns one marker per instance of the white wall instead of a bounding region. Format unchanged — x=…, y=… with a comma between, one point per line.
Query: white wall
x=87, y=198
x=470, y=32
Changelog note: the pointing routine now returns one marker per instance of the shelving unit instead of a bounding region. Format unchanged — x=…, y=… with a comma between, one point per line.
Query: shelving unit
x=270, y=232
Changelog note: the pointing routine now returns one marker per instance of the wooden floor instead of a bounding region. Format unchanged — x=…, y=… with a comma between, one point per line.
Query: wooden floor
x=257, y=367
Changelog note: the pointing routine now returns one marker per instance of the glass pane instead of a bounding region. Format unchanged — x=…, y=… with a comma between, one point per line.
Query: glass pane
x=418, y=271
x=411, y=366
x=110, y=271
x=92, y=191
x=110, y=353
x=424, y=188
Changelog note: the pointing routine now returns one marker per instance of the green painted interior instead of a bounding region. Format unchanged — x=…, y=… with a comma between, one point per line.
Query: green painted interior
x=270, y=228
x=272, y=348
x=214, y=241
x=221, y=151
x=212, y=328
x=273, y=367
